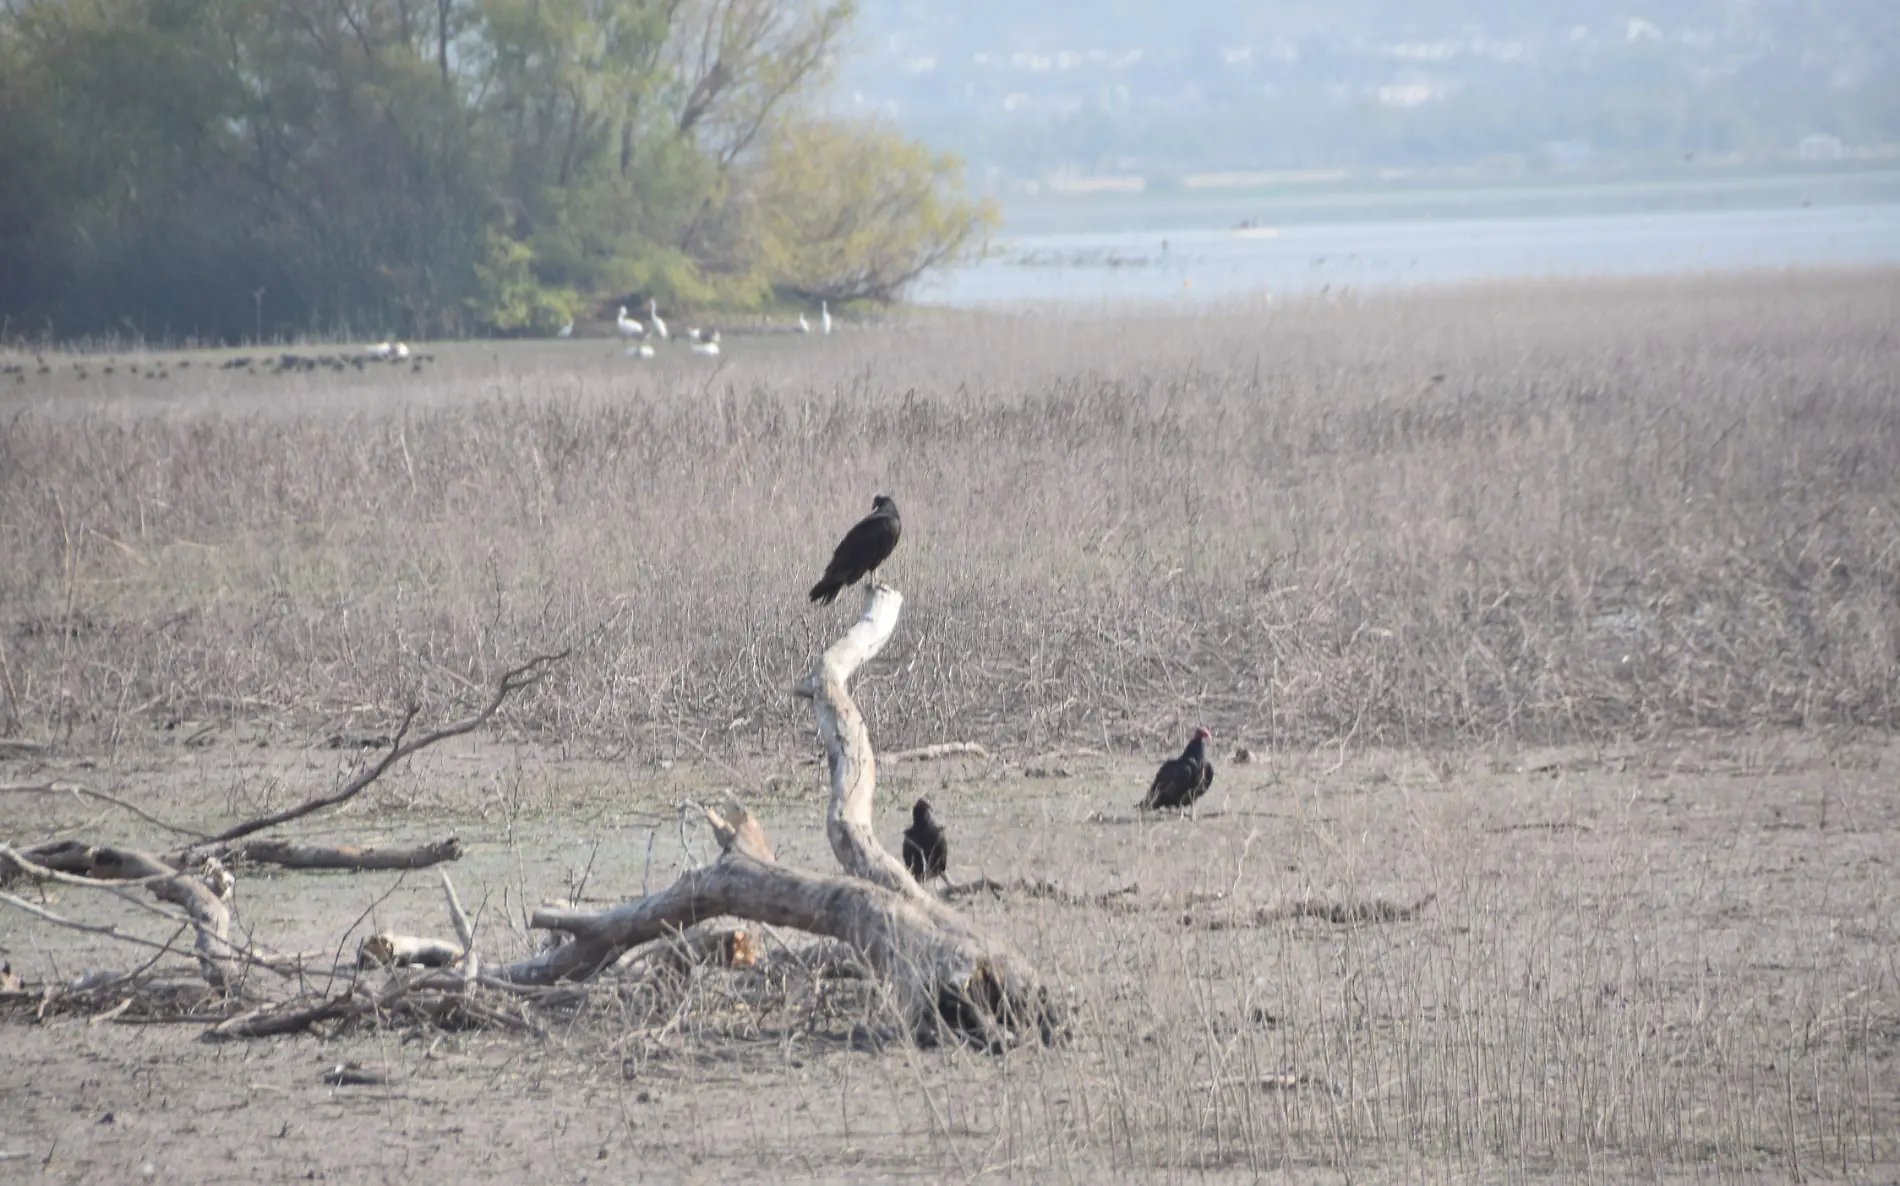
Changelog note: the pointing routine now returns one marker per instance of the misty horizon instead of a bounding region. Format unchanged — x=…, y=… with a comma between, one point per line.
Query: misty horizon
x=1027, y=91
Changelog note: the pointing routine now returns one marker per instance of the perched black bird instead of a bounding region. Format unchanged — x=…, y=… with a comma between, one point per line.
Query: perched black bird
x=926, y=849
x=863, y=548
x=1182, y=780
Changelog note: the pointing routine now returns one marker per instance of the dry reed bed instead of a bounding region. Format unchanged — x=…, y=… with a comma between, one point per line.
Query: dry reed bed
x=1536, y=511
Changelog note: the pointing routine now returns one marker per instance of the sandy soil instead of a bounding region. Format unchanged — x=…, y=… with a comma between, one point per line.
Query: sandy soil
x=1658, y=962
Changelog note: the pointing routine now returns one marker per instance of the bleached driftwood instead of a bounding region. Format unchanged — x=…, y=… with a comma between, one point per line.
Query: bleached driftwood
x=944, y=971
x=199, y=893
x=293, y=854
x=194, y=877
x=853, y=765
x=942, y=749
x=406, y=951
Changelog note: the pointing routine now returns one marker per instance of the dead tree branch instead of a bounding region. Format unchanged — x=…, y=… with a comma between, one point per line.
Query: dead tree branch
x=85, y=864
x=464, y=928
x=942, y=749
x=84, y=792
x=402, y=746
x=194, y=878
x=392, y=950
x=106, y=929
x=1041, y=888
x=291, y=854
x=945, y=972
x=848, y=745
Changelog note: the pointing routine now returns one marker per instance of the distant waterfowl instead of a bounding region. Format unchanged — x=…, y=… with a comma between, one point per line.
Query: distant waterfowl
x=824, y=315
x=653, y=316
x=643, y=350
x=629, y=328
x=804, y=327
x=381, y=351
x=400, y=351
x=566, y=331
x=708, y=344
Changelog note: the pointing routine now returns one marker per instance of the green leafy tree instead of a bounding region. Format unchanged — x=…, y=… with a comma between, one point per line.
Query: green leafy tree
x=233, y=168
x=854, y=211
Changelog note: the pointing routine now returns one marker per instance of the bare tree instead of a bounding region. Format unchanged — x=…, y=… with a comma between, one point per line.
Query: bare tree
x=736, y=63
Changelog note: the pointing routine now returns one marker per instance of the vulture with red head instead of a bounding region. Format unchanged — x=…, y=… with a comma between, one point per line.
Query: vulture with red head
x=1182, y=780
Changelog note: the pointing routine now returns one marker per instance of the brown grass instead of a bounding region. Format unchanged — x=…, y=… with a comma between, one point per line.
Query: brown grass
x=1628, y=512
x=1626, y=509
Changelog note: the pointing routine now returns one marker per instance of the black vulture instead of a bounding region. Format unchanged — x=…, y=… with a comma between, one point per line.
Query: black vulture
x=926, y=849
x=1182, y=780
x=863, y=548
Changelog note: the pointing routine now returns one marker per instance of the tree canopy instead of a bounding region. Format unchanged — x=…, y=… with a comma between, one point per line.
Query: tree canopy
x=224, y=169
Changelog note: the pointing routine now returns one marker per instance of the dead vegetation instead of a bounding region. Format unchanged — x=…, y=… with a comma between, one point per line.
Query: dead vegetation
x=943, y=974
x=1553, y=512
x=1626, y=510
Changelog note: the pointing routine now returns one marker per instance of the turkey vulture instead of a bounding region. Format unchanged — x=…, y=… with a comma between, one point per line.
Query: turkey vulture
x=863, y=548
x=1182, y=780
x=926, y=849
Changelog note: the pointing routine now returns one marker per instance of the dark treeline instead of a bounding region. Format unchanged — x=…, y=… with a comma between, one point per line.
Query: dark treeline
x=223, y=169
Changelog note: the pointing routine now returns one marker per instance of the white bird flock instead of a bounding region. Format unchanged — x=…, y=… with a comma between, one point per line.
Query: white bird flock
x=641, y=335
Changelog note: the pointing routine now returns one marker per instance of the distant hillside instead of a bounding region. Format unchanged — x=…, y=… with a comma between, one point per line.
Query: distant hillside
x=1027, y=88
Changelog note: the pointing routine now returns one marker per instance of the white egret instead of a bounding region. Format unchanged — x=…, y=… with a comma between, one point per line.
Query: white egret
x=824, y=315
x=804, y=327
x=381, y=351
x=566, y=331
x=707, y=344
x=629, y=328
x=643, y=350
x=653, y=315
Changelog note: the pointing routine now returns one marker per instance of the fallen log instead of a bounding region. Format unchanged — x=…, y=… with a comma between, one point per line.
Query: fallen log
x=943, y=749
x=1041, y=888
x=200, y=894
x=391, y=950
x=292, y=1017
x=946, y=973
x=293, y=854
x=194, y=877
x=702, y=947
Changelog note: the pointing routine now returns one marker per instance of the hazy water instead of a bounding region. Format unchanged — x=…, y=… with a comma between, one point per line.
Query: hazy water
x=1207, y=264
